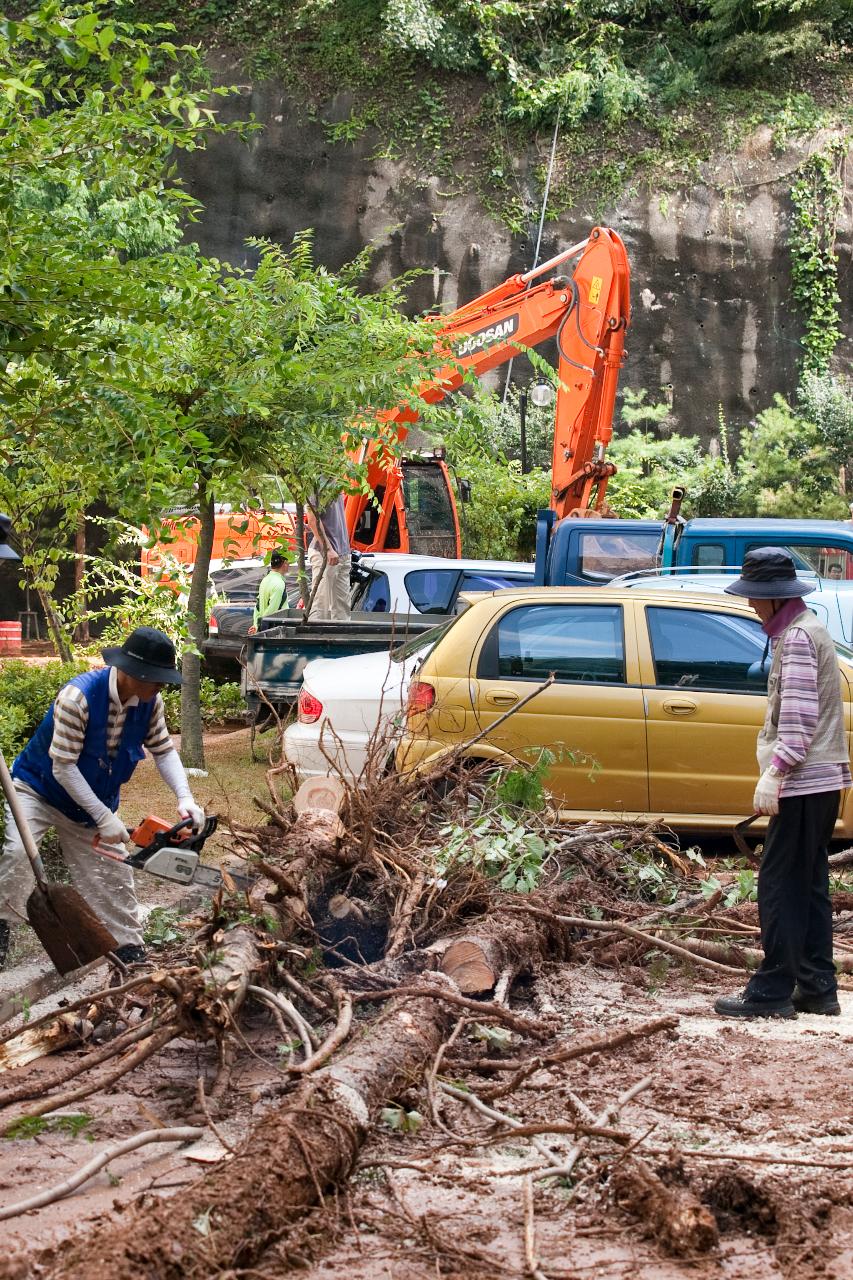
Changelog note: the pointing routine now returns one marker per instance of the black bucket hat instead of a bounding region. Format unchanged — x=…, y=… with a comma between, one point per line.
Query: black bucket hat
x=768, y=573
x=146, y=654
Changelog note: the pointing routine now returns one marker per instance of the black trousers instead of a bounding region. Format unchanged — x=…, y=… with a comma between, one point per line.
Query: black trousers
x=794, y=907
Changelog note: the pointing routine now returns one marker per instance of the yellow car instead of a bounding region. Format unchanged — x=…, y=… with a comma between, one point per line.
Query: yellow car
x=654, y=712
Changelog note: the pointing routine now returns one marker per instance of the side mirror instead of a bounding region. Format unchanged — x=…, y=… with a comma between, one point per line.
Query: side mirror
x=759, y=671
x=464, y=490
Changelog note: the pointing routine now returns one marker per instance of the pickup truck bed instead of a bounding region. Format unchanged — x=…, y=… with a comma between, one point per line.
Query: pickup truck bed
x=276, y=658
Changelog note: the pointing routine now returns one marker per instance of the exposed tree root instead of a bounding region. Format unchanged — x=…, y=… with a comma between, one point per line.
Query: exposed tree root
x=680, y=1222
x=93, y=1166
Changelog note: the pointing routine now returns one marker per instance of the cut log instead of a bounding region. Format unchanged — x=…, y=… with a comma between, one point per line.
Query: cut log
x=509, y=940
x=673, y=1215
x=292, y=1157
x=473, y=964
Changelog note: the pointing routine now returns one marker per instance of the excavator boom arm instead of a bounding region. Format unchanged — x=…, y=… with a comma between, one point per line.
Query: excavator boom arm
x=588, y=313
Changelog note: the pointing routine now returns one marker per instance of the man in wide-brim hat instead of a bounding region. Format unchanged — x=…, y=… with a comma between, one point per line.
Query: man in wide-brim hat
x=70, y=774
x=805, y=765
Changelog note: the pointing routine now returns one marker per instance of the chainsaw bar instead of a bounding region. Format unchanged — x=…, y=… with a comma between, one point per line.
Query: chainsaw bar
x=213, y=879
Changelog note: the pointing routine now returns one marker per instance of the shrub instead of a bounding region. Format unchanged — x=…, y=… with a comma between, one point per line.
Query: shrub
x=219, y=702
x=26, y=692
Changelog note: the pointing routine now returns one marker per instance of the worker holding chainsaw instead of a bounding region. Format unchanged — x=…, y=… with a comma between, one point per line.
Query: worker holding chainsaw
x=805, y=763
x=69, y=777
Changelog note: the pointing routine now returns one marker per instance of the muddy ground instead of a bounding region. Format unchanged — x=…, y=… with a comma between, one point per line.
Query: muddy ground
x=779, y=1089
x=444, y=1201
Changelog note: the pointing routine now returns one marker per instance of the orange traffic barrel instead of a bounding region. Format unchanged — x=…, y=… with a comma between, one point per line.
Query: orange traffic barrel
x=10, y=637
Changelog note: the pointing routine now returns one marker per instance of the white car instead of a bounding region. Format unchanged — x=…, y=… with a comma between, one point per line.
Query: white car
x=347, y=703
x=395, y=583
x=831, y=600
x=343, y=702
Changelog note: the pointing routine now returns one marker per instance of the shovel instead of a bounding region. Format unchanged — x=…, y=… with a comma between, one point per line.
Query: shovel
x=64, y=923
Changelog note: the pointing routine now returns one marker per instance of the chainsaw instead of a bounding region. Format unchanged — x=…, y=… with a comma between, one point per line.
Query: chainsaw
x=172, y=853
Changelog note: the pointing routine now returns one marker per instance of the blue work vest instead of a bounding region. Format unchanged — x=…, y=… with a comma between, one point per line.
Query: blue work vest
x=104, y=773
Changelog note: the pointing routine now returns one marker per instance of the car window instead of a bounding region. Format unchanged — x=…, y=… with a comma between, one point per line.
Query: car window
x=603, y=556
x=485, y=581
x=709, y=555
x=426, y=641
x=694, y=649
x=431, y=590
x=373, y=595
x=576, y=642
x=827, y=562
x=428, y=506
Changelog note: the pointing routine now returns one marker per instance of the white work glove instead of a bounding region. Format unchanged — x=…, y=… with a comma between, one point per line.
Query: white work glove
x=766, y=798
x=112, y=830
x=188, y=808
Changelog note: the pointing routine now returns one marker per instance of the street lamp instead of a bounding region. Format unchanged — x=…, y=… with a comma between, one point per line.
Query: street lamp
x=541, y=394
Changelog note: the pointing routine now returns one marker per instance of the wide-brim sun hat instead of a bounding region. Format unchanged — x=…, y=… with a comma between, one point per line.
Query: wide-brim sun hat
x=768, y=573
x=147, y=654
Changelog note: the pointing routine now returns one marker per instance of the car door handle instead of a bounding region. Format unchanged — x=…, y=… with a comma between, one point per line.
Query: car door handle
x=501, y=698
x=679, y=706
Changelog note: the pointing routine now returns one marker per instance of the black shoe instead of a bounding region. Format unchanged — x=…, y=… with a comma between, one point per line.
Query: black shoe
x=825, y=1002
x=130, y=953
x=742, y=1007
x=5, y=939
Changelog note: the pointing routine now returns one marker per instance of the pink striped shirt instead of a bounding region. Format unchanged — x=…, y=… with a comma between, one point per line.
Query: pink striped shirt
x=798, y=711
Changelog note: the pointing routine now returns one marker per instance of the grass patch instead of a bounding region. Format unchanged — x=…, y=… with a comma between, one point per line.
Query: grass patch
x=34, y=1126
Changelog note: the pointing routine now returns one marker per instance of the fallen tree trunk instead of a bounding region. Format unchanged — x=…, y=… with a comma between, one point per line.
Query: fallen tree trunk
x=748, y=957
x=292, y=1157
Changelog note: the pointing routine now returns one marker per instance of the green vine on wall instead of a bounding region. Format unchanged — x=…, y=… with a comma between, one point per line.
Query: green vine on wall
x=816, y=196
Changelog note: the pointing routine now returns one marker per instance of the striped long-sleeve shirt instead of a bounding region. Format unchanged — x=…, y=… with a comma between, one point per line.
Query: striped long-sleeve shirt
x=798, y=713
x=71, y=719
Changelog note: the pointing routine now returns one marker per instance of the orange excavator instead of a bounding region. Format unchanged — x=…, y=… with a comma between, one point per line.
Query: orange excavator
x=413, y=508
x=588, y=313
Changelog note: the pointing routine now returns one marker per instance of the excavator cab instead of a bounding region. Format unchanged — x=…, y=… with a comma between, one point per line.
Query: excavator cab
x=412, y=510
x=431, y=519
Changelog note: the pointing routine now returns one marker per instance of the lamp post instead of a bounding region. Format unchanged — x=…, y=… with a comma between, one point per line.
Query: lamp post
x=541, y=394
x=522, y=423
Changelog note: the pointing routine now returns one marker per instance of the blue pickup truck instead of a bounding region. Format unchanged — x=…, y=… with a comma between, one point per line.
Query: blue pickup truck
x=592, y=552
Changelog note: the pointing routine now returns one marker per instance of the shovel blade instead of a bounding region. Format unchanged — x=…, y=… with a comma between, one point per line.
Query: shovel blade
x=67, y=927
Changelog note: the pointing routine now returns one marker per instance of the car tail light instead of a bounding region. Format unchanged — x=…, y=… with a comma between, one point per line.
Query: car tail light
x=310, y=708
x=212, y=626
x=421, y=697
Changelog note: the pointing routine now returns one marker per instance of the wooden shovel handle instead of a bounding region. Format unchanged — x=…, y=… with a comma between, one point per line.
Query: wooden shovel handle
x=21, y=823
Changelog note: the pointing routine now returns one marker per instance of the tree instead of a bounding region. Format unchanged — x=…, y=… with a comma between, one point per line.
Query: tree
x=91, y=110
x=265, y=375
x=786, y=469
x=89, y=118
